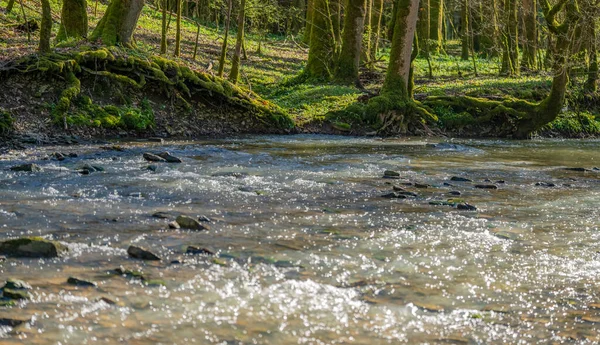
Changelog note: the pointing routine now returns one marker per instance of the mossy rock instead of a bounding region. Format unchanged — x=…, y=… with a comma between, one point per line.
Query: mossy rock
x=32, y=247
x=6, y=122
x=15, y=294
x=15, y=284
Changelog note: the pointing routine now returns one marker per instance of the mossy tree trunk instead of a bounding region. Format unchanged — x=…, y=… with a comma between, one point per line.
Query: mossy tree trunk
x=531, y=35
x=510, y=39
x=45, y=28
x=423, y=26
x=9, y=6
x=367, y=32
x=177, y=52
x=436, y=24
x=73, y=20
x=223, y=56
x=376, y=23
x=349, y=60
x=118, y=23
x=398, y=72
x=464, y=29
x=234, y=75
x=322, y=43
x=335, y=16
x=591, y=84
x=310, y=7
x=163, y=34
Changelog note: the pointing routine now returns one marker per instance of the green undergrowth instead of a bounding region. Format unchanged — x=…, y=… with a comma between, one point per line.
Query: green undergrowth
x=571, y=124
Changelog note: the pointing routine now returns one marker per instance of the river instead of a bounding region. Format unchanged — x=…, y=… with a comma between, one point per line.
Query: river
x=306, y=248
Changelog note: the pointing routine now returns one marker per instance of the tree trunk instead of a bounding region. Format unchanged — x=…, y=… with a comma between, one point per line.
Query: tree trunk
x=197, y=38
x=530, y=45
x=376, y=21
x=423, y=26
x=163, y=35
x=178, y=29
x=9, y=6
x=398, y=72
x=322, y=44
x=349, y=60
x=45, y=28
x=310, y=6
x=335, y=11
x=591, y=84
x=224, y=46
x=436, y=24
x=464, y=29
x=368, y=32
x=510, y=44
x=234, y=74
x=73, y=20
x=118, y=23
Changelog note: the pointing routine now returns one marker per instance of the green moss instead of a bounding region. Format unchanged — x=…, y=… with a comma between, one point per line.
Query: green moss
x=6, y=122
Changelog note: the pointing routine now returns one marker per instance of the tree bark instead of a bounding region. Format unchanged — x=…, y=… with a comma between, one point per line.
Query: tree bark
x=177, y=52
x=398, y=72
x=163, y=35
x=310, y=6
x=45, y=28
x=352, y=40
x=225, y=39
x=9, y=6
x=464, y=29
x=423, y=26
x=73, y=20
x=376, y=21
x=322, y=44
x=530, y=45
x=118, y=23
x=510, y=41
x=436, y=24
x=234, y=74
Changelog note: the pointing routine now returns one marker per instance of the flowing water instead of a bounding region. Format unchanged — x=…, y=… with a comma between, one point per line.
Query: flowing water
x=307, y=251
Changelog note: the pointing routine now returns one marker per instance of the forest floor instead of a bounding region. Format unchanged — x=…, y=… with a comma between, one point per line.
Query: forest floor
x=267, y=70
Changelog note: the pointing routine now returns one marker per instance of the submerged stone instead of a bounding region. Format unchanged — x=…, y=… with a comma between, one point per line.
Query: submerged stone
x=198, y=251
x=422, y=185
x=142, y=254
x=394, y=195
x=31, y=247
x=466, y=207
x=186, y=222
x=80, y=282
x=30, y=167
x=16, y=284
x=169, y=157
x=12, y=322
x=455, y=193
x=391, y=174
x=161, y=215
x=15, y=294
x=545, y=184
x=174, y=225
x=486, y=186
x=460, y=179
x=150, y=157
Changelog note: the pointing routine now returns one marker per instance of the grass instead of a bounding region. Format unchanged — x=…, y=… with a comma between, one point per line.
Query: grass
x=282, y=58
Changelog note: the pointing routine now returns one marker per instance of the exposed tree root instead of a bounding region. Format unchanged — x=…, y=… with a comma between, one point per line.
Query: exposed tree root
x=126, y=68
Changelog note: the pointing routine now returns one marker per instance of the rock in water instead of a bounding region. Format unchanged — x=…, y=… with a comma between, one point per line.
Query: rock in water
x=186, y=222
x=15, y=294
x=150, y=157
x=12, y=322
x=169, y=157
x=174, y=225
x=15, y=284
x=80, y=282
x=394, y=195
x=195, y=251
x=31, y=247
x=466, y=207
x=459, y=179
x=486, y=186
x=27, y=168
x=391, y=174
x=142, y=254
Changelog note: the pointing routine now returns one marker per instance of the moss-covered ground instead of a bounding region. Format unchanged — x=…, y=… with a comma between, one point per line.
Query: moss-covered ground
x=281, y=58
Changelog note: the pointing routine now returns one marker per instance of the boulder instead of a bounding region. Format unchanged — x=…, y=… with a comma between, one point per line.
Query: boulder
x=15, y=284
x=12, y=322
x=186, y=222
x=31, y=247
x=196, y=251
x=15, y=294
x=142, y=254
x=486, y=186
x=150, y=157
x=169, y=157
x=394, y=195
x=460, y=179
x=30, y=167
x=80, y=282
